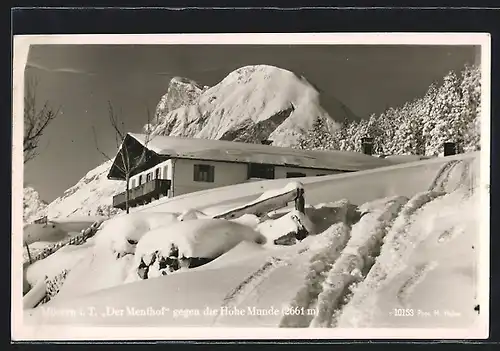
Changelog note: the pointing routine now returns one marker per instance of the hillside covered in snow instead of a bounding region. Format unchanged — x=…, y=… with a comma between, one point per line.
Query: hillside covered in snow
x=394, y=247
x=92, y=195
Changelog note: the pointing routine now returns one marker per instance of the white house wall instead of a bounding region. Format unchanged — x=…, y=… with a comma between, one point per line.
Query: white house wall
x=165, y=173
x=181, y=173
x=225, y=173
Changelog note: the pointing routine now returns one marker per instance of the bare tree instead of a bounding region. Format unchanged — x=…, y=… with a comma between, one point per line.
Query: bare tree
x=128, y=162
x=35, y=121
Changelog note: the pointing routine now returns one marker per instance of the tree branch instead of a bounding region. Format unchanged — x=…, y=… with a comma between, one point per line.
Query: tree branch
x=35, y=122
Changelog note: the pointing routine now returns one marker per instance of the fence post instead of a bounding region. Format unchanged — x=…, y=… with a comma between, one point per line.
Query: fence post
x=300, y=201
x=28, y=250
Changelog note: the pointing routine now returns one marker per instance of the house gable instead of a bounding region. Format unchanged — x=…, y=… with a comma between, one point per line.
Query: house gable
x=132, y=151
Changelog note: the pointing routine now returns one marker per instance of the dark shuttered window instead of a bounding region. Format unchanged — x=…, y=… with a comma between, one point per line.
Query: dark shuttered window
x=257, y=170
x=204, y=173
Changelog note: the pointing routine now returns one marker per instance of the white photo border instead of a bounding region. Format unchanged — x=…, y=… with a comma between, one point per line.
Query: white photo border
x=22, y=332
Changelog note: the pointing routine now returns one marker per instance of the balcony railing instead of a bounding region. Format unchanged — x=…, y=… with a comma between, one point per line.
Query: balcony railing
x=142, y=193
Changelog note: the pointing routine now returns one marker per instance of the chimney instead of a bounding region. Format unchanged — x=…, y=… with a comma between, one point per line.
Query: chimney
x=450, y=148
x=367, y=145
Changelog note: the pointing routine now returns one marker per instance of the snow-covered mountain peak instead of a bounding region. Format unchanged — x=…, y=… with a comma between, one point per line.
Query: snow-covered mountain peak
x=181, y=92
x=250, y=104
x=267, y=89
x=246, y=74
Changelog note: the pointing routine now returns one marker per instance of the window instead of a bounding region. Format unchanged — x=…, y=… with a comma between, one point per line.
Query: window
x=132, y=183
x=157, y=173
x=140, y=180
x=204, y=173
x=294, y=174
x=257, y=170
x=148, y=176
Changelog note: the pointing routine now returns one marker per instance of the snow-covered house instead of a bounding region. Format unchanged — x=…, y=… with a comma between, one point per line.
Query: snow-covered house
x=173, y=165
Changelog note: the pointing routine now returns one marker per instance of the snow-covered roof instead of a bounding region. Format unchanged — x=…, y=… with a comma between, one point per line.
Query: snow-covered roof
x=229, y=151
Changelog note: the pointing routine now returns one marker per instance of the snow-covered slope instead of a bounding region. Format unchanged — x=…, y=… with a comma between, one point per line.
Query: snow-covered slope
x=396, y=240
x=253, y=103
x=33, y=206
x=92, y=195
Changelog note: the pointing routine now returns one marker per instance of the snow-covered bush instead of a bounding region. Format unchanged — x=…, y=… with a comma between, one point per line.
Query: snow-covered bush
x=188, y=244
x=121, y=234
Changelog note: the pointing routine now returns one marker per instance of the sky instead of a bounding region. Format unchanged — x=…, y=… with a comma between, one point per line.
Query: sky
x=81, y=80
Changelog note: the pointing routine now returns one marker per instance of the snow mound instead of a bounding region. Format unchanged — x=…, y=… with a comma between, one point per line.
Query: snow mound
x=173, y=247
x=65, y=258
x=245, y=249
x=191, y=214
x=250, y=220
x=122, y=233
x=98, y=269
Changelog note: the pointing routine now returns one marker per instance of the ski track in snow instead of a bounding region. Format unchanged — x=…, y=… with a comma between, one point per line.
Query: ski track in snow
x=338, y=235
x=415, y=279
x=357, y=257
x=404, y=220
x=441, y=179
x=349, y=257
x=398, y=244
x=248, y=285
x=466, y=180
